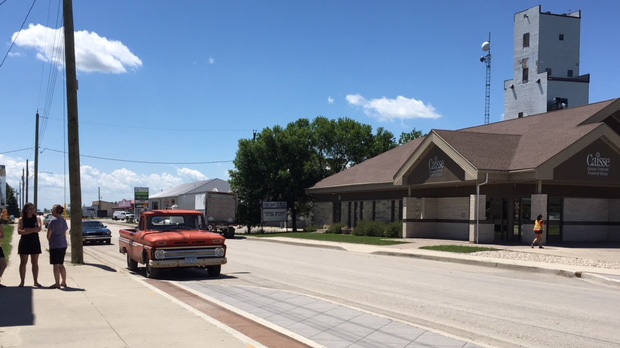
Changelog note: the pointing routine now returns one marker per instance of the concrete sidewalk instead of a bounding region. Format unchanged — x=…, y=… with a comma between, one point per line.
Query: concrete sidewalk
x=108, y=307
x=101, y=307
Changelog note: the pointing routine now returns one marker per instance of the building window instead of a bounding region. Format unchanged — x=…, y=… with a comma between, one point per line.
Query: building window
x=526, y=40
x=361, y=211
x=525, y=75
x=561, y=37
x=548, y=70
x=520, y=115
x=374, y=210
x=570, y=73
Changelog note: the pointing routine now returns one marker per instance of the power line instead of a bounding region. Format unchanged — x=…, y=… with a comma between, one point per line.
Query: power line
x=118, y=159
x=136, y=161
x=10, y=151
x=16, y=36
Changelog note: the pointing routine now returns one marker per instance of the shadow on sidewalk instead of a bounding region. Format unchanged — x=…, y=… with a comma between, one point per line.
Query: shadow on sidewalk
x=16, y=304
x=100, y=266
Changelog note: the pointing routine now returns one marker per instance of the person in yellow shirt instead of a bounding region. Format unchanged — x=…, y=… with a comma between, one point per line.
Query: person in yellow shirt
x=539, y=225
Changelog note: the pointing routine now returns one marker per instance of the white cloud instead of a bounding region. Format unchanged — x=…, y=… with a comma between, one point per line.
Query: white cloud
x=93, y=53
x=401, y=108
x=191, y=173
x=111, y=187
x=211, y=60
x=330, y=100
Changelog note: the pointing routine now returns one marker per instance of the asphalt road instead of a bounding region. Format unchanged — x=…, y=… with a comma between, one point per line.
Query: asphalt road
x=502, y=308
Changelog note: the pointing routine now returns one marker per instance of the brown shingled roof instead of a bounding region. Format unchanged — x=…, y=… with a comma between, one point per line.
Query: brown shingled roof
x=377, y=170
x=516, y=144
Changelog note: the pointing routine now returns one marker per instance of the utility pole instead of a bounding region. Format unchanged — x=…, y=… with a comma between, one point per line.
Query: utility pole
x=26, y=181
x=75, y=187
x=36, y=163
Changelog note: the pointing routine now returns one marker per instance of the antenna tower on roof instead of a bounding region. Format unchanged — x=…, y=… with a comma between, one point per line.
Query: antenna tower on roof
x=486, y=47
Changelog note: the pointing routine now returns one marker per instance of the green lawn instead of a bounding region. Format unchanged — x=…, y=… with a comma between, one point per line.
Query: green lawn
x=329, y=237
x=457, y=248
x=6, y=243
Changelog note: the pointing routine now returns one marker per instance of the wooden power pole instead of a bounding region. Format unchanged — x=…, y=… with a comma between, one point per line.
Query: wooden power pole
x=75, y=187
x=36, y=165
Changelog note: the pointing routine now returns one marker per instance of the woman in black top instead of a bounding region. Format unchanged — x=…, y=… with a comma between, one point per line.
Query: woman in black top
x=28, y=228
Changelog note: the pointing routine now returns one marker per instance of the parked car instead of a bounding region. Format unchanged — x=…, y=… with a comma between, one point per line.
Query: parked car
x=122, y=215
x=95, y=231
x=47, y=219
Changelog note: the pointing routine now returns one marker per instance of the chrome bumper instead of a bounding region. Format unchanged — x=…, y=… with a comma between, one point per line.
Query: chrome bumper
x=184, y=263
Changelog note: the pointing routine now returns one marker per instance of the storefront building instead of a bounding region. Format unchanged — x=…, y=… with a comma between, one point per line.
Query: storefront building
x=487, y=184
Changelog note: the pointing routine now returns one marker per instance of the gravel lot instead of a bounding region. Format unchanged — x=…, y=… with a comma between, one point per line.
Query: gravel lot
x=521, y=256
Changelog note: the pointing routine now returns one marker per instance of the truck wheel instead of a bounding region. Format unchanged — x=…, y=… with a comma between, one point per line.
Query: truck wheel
x=150, y=272
x=108, y=241
x=214, y=271
x=132, y=265
x=230, y=233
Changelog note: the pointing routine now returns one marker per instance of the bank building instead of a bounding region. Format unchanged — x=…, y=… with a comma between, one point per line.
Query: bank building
x=487, y=184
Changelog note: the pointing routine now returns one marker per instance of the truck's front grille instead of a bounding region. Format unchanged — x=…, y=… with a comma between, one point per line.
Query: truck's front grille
x=180, y=253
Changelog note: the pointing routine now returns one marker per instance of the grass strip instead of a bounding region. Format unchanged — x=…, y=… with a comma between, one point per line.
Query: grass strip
x=6, y=243
x=329, y=237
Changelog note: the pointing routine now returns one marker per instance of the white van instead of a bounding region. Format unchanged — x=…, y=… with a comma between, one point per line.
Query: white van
x=121, y=215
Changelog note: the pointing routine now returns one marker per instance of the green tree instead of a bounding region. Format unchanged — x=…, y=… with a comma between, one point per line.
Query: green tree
x=11, y=202
x=247, y=182
x=279, y=164
x=407, y=137
x=340, y=144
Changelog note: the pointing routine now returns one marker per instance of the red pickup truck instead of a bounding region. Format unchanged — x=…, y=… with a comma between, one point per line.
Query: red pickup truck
x=172, y=239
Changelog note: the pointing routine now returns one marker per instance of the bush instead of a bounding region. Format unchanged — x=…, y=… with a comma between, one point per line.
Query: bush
x=310, y=228
x=394, y=230
x=335, y=228
x=369, y=228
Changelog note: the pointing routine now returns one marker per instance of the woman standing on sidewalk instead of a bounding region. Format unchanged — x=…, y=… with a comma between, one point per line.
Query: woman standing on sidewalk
x=56, y=235
x=28, y=228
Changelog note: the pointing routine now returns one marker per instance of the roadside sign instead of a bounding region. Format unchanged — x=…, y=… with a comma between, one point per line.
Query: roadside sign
x=141, y=194
x=274, y=212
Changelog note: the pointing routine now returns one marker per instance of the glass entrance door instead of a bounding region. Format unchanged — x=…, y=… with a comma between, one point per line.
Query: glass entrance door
x=508, y=215
x=554, y=220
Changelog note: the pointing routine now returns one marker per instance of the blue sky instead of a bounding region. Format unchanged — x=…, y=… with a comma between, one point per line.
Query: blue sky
x=167, y=89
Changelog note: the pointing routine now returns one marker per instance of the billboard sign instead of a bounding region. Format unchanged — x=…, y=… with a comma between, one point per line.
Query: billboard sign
x=141, y=194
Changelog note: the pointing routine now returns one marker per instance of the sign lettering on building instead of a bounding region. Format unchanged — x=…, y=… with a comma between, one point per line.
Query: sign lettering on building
x=595, y=162
x=435, y=167
x=598, y=165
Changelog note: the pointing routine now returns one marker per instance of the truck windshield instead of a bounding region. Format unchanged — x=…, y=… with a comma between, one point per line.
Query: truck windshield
x=176, y=222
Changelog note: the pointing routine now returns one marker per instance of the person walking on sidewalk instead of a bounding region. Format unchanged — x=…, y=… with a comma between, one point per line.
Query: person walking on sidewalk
x=57, y=237
x=28, y=228
x=2, y=258
x=539, y=225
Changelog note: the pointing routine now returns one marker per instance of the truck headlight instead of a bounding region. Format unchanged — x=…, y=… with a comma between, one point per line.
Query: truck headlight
x=160, y=254
x=219, y=252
